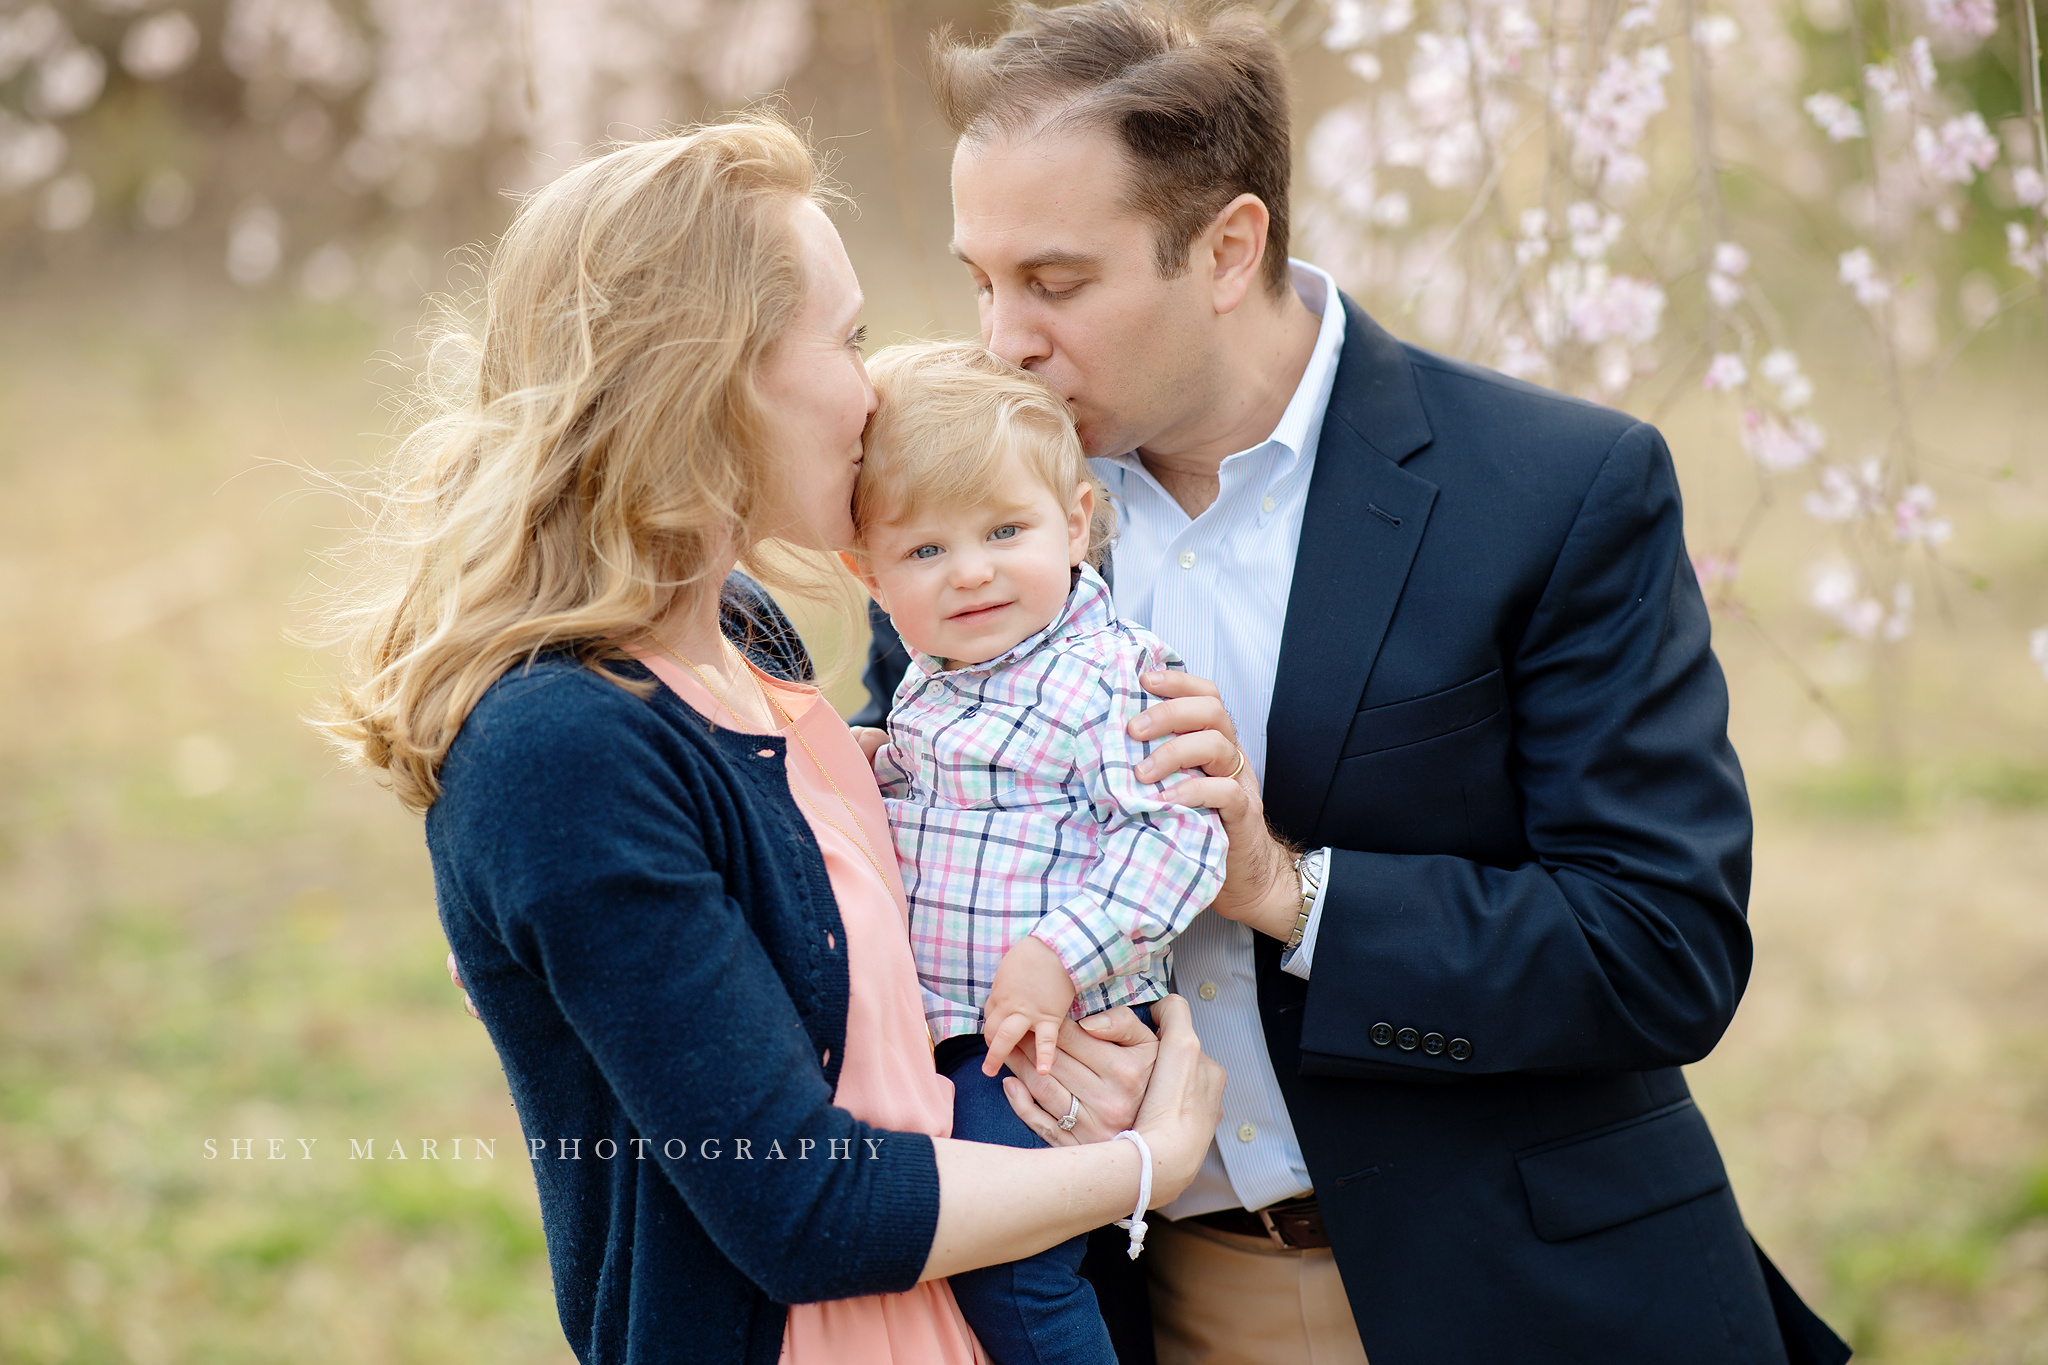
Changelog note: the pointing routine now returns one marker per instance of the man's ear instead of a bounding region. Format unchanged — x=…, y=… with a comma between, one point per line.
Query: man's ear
x=1234, y=247
x=1080, y=523
x=857, y=564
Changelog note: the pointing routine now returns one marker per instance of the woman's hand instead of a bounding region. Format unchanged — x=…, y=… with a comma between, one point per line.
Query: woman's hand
x=455, y=975
x=1105, y=1062
x=1259, y=885
x=1183, y=1104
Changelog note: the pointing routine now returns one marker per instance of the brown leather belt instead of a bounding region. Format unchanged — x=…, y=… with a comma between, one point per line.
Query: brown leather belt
x=1293, y=1223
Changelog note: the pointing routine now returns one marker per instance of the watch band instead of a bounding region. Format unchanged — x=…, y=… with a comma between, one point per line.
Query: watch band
x=1308, y=871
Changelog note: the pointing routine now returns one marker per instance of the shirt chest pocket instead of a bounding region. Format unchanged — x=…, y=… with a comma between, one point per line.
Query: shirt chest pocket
x=988, y=756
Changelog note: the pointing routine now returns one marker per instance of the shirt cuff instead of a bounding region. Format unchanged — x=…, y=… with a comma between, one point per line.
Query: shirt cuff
x=1298, y=962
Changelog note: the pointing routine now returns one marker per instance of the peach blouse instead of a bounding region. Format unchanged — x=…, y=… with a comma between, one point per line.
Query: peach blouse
x=886, y=1076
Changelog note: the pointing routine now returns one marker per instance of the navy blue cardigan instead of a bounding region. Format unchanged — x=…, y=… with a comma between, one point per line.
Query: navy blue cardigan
x=647, y=929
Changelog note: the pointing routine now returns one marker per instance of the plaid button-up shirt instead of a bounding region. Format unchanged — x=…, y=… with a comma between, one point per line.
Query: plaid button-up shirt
x=1014, y=811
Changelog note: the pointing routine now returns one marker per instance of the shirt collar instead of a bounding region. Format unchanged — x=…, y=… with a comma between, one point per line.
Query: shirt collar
x=1087, y=607
x=1299, y=424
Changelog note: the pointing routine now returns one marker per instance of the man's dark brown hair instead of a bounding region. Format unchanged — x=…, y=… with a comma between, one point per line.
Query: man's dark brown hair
x=1197, y=93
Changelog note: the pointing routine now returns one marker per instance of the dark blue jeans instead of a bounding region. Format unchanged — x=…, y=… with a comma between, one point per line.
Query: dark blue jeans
x=1037, y=1311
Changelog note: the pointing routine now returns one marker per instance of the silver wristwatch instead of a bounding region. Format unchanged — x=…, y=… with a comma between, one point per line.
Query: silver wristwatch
x=1308, y=871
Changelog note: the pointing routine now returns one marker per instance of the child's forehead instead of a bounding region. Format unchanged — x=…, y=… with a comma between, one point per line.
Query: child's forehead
x=1011, y=490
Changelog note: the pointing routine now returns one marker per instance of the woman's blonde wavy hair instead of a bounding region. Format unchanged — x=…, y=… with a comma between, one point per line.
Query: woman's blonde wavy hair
x=595, y=449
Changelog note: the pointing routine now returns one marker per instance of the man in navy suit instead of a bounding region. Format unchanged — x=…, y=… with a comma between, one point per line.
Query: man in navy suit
x=1495, y=896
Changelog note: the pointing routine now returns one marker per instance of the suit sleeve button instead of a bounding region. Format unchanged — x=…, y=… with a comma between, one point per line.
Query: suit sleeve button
x=1382, y=1034
x=1432, y=1043
x=1406, y=1039
x=1461, y=1051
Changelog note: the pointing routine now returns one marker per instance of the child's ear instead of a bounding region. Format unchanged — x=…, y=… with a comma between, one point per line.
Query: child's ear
x=857, y=564
x=1080, y=523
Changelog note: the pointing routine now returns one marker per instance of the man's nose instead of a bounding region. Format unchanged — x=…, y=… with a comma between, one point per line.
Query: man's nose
x=1009, y=328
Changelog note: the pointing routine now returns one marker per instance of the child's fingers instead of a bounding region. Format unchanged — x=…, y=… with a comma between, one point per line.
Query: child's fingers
x=1048, y=1032
x=1009, y=1031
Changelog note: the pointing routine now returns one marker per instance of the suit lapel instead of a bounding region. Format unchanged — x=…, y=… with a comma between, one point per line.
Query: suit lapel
x=1359, y=533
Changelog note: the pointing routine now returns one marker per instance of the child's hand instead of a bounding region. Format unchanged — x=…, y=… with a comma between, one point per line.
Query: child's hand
x=1032, y=994
x=870, y=740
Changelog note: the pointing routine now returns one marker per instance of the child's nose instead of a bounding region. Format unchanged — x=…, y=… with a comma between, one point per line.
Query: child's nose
x=972, y=570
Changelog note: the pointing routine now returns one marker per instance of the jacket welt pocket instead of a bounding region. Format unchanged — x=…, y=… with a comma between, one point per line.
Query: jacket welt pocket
x=1375, y=728
x=1618, y=1174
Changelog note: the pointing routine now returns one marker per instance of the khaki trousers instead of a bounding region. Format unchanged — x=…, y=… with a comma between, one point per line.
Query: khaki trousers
x=1222, y=1299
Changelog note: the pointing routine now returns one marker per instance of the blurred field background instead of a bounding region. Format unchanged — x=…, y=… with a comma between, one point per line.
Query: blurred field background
x=210, y=931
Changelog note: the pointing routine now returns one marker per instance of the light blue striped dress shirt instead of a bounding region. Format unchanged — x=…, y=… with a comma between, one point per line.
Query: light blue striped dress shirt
x=1215, y=587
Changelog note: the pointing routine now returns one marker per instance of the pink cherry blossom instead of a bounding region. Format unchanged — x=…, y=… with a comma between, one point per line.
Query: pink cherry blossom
x=1846, y=494
x=1839, y=119
x=1726, y=372
x=2023, y=251
x=1836, y=589
x=1913, y=518
x=1778, y=445
x=2028, y=187
x=1857, y=270
x=1955, y=155
x=1976, y=18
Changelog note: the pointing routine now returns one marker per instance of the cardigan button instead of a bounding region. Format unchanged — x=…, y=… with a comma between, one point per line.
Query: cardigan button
x=764, y=753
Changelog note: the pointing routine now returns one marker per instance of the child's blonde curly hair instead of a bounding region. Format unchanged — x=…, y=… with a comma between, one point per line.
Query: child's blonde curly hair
x=951, y=415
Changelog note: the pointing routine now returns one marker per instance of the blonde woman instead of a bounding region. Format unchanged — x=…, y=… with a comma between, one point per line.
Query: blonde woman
x=662, y=864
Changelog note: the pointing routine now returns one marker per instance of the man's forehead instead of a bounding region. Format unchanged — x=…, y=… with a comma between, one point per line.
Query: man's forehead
x=1043, y=200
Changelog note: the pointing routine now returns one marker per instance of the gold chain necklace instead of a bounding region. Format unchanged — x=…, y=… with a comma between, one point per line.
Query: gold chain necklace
x=859, y=837
x=718, y=699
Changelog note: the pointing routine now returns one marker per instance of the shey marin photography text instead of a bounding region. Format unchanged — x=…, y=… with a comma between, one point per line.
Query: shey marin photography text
x=728, y=1148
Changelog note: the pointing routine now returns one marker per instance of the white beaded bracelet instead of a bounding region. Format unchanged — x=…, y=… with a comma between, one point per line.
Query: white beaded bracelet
x=1136, y=1222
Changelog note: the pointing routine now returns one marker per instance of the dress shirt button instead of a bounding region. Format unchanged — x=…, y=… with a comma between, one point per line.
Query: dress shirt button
x=1208, y=990
x=1406, y=1039
x=1266, y=506
x=1461, y=1051
x=1432, y=1043
x=1187, y=559
x=1245, y=1132
x=1382, y=1034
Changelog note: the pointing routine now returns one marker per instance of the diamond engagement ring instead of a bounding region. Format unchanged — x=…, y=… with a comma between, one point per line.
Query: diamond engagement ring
x=1073, y=1112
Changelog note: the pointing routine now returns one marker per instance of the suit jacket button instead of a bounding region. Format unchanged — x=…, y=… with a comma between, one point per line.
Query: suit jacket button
x=1382, y=1034
x=1432, y=1043
x=1461, y=1051
x=1407, y=1038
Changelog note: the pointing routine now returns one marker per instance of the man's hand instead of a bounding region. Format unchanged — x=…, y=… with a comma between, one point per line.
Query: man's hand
x=1259, y=886
x=1032, y=994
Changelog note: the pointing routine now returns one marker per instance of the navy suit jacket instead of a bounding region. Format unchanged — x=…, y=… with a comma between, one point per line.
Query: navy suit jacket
x=1496, y=703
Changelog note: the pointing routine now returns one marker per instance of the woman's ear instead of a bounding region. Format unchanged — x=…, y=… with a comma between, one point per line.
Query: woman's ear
x=857, y=564
x=1080, y=523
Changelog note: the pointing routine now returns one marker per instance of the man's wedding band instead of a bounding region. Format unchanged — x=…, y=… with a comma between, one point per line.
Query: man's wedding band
x=1240, y=764
x=1073, y=1112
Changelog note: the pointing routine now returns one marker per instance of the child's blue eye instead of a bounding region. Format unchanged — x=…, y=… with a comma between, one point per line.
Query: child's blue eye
x=1003, y=533
x=926, y=552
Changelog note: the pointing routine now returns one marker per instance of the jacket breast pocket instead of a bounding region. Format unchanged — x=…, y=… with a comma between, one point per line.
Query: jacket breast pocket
x=1400, y=723
x=1593, y=1181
